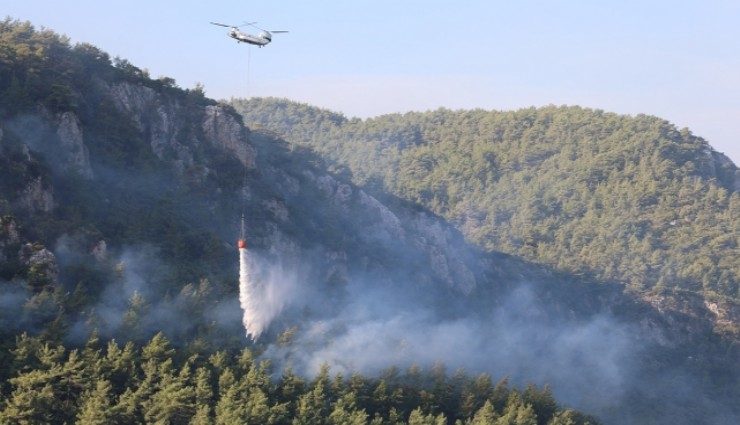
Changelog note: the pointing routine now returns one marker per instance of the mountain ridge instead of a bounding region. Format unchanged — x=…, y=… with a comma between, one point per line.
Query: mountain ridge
x=572, y=204
x=120, y=202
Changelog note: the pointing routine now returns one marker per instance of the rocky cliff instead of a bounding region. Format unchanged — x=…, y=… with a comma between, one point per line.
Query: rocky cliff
x=114, y=201
x=179, y=134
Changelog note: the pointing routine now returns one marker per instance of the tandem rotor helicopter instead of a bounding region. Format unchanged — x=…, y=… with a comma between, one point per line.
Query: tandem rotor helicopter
x=261, y=39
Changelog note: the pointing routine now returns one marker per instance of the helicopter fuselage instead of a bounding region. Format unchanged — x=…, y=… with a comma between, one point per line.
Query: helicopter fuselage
x=258, y=40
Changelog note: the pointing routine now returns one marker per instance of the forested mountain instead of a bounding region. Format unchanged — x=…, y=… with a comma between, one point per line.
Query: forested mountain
x=624, y=199
x=120, y=204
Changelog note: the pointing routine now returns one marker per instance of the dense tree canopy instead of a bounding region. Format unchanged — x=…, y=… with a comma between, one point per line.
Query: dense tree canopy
x=45, y=377
x=616, y=198
x=620, y=198
x=110, y=384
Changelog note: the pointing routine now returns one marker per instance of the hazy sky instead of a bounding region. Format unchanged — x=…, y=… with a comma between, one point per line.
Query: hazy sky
x=678, y=59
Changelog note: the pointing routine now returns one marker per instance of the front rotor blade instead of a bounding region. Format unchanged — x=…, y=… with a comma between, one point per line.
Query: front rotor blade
x=221, y=25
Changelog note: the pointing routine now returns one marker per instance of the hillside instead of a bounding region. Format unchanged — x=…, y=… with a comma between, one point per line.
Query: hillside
x=120, y=198
x=631, y=200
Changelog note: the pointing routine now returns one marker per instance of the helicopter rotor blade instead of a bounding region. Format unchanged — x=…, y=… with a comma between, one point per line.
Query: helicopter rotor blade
x=251, y=24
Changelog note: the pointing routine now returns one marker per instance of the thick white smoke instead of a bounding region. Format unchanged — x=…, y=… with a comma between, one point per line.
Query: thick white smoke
x=263, y=292
x=380, y=328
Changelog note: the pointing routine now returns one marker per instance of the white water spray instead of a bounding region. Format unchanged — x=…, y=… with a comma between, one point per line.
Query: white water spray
x=248, y=297
x=264, y=290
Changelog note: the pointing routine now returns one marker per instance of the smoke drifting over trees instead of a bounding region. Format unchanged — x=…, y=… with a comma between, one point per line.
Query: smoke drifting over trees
x=134, y=242
x=517, y=338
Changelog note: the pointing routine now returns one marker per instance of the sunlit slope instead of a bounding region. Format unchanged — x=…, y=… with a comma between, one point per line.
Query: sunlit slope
x=631, y=199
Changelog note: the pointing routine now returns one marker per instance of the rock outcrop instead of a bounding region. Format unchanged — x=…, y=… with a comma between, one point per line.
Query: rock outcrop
x=162, y=118
x=42, y=265
x=36, y=197
x=158, y=117
x=9, y=237
x=415, y=232
x=76, y=157
x=224, y=131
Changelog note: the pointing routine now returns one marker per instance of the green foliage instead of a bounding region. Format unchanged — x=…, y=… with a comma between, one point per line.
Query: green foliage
x=136, y=196
x=40, y=66
x=18, y=167
x=114, y=139
x=515, y=182
x=619, y=198
x=37, y=277
x=54, y=385
x=96, y=403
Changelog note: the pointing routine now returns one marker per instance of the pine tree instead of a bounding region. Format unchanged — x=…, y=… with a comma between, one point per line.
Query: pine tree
x=96, y=405
x=417, y=417
x=230, y=408
x=204, y=397
x=32, y=401
x=290, y=386
x=346, y=412
x=120, y=366
x=542, y=402
x=486, y=415
x=313, y=406
x=563, y=418
x=127, y=410
x=173, y=399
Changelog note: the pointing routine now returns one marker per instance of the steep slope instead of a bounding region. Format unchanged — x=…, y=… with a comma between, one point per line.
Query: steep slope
x=626, y=199
x=120, y=160
x=121, y=197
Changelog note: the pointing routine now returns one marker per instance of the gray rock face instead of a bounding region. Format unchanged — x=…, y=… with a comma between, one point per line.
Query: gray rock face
x=157, y=117
x=439, y=244
x=416, y=230
x=71, y=141
x=100, y=251
x=9, y=236
x=36, y=197
x=138, y=100
x=222, y=130
x=388, y=224
x=8, y=232
x=42, y=260
x=161, y=119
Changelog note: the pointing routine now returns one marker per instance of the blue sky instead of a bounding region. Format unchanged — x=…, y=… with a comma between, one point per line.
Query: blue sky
x=679, y=59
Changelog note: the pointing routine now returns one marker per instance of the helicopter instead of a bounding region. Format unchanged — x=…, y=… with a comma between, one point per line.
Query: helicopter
x=262, y=39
